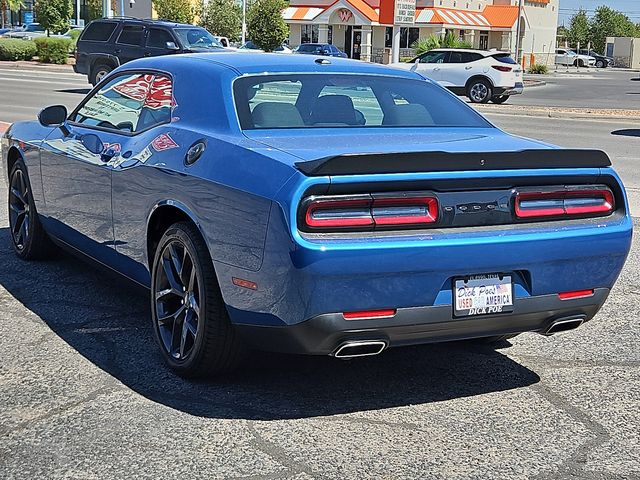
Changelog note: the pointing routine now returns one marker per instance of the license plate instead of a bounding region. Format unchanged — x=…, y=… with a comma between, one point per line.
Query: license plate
x=482, y=295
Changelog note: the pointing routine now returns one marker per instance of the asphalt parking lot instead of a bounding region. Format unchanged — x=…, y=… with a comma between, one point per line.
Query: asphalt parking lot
x=83, y=393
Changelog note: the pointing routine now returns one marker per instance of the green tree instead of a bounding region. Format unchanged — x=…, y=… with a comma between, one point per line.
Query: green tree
x=266, y=27
x=579, y=29
x=224, y=18
x=13, y=5
x=53, y=15
x=435, y=41
x=180, y=11
x=608, y=22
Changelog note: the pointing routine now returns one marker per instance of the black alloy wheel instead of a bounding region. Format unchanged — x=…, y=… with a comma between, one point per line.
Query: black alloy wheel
x=190, y=319
x=30, y=242
x=479, y=91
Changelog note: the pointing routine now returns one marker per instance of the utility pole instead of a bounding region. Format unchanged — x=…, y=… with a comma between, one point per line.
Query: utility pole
x=518, y=58
x=244, y=21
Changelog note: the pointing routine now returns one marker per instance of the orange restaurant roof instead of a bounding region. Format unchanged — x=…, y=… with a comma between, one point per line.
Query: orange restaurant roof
x=501, y=16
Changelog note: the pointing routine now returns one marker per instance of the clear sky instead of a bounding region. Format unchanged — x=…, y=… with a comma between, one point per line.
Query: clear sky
x=568, y=7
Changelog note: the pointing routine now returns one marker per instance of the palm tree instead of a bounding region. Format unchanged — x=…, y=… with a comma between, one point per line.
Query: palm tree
x=12, y=5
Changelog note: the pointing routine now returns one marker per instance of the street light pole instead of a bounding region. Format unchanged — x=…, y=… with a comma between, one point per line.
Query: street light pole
x=244, y=21
x=518, y=31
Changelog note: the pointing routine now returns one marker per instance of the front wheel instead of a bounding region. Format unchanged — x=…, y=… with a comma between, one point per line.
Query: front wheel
x=190, y=321
x=479, y=91
x=600, y=64
x=500, y=100
x=30, y=241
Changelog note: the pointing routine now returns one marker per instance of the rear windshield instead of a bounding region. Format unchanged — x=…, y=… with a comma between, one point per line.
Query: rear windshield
x=505, y=58
x=99, y=31
x=342, y=100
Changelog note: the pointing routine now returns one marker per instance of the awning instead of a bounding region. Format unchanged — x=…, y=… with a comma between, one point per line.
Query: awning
x=301, y=13
x=445, y=16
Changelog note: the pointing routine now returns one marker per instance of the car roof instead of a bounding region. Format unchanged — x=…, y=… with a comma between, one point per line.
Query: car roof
x=148, y=21
x=486, y=53
x=245, y=63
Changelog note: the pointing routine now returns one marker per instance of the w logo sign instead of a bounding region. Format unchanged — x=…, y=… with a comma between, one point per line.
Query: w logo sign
x=345, y=15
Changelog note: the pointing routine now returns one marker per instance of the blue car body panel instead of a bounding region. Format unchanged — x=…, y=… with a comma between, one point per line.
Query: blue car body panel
x=244, y=194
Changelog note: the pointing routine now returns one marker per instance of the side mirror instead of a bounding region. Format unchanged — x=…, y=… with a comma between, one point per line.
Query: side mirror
x=172, y=46
x=326, y=52
x=53, y=116
x=92, y=143
x=417, y=60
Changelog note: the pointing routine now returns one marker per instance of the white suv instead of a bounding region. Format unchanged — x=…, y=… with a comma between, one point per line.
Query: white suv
x=479, y=74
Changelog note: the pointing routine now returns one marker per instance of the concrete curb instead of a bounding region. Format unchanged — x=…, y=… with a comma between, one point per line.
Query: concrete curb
x=570, y=115
x=23, y=65
x=531, y=83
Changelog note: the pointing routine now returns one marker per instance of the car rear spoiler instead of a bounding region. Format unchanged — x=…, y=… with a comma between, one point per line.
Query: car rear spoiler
x=372, y=163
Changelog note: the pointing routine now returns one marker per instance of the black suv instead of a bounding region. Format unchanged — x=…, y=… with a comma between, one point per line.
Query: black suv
x=107, y=43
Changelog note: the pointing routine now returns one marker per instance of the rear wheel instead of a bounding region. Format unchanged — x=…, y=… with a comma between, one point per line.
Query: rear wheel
x=600, y=64
x=98, y=72
x=190, y=321
x=30, y=242
x=479, y=91
x=500, y=99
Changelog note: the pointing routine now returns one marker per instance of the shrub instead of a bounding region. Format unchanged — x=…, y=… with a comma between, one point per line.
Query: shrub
x=434, y=41
x=181, y=11
x=16, y=49
x=539, y=69
x=53, y=50
x=224, y=18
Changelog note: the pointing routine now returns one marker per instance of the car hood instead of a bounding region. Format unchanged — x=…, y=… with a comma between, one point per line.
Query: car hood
x=323, y=143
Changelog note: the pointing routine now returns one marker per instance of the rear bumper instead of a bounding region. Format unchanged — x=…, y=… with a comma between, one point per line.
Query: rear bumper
x=518, y=89
x=323, y=334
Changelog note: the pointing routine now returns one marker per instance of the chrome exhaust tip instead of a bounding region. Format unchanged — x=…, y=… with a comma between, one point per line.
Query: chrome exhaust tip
x=564, y=325
x=365, y=348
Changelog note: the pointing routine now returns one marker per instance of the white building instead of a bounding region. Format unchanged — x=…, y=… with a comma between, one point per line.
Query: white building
x=356, y=26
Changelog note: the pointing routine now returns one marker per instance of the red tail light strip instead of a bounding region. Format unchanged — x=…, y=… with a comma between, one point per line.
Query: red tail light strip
x=369, y=211
x=564, y=202
x=369, y=314
x=576, y=294
x=502, y=68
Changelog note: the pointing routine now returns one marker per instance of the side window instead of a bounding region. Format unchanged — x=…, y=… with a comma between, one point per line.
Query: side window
x=158, y=38
x=434, y=57
x=99, y=31
x=131, y=35
x=117, y=105
x=157, y=107
x=456, y=57
x=468, y=57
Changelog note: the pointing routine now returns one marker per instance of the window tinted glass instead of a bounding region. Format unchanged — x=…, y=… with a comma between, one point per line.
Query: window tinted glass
x=433, y=57
x=310, y=48
x=158, y=38
x=339, y=101
x=117, y=105
x=131, y=35
x=99, y=31
x=505, y=58
x=198, y=38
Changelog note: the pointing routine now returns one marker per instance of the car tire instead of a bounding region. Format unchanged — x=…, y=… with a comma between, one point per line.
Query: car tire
x=479, y=91
x=29, y=240
x=98, y=72
x=190, y=320
x=500, y=99
x=600, y=64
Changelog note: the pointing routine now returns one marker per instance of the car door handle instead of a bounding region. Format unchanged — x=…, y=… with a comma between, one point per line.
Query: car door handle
x=468, y=68
x=436, y=69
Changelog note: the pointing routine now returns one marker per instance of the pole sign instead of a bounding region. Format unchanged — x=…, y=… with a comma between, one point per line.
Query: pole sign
x=404, y=12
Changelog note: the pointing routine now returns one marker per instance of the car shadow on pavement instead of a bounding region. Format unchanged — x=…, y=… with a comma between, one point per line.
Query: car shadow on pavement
x=106, y=320
x=627, y=132
x=80, y=91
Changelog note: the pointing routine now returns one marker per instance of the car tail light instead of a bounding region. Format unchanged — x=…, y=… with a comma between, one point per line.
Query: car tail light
x=502, y=68
x=565, y=202
x=366, y=212
x=387, y=313
x=576, y=294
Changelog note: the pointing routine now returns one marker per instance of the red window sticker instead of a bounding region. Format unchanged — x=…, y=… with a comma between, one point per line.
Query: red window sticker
x=160, y=94
x=163, y=142
x=135, y=88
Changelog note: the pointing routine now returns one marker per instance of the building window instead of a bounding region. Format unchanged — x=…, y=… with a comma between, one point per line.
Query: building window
x=408, y=36
x=309, y=34
x=388, y=37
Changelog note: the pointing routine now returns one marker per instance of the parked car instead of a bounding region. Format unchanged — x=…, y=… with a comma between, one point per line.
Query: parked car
x=108, y=43
x=601, y=60
x=568, y=57
x=335, y=210
x=27, y=32
x=224, y=41
x=252, y=47
x=481, y=75
x=324, y=49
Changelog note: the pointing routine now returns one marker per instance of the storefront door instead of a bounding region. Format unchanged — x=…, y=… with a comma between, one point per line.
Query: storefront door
x=356, y=43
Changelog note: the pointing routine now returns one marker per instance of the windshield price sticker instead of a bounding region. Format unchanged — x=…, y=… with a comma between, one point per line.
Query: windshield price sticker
x=483, y=295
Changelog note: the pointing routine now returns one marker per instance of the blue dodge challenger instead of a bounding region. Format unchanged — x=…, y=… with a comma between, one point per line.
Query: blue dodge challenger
x=311, y=205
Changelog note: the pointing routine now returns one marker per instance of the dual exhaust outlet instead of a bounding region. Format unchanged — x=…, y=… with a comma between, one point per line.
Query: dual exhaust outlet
x=367, y=348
